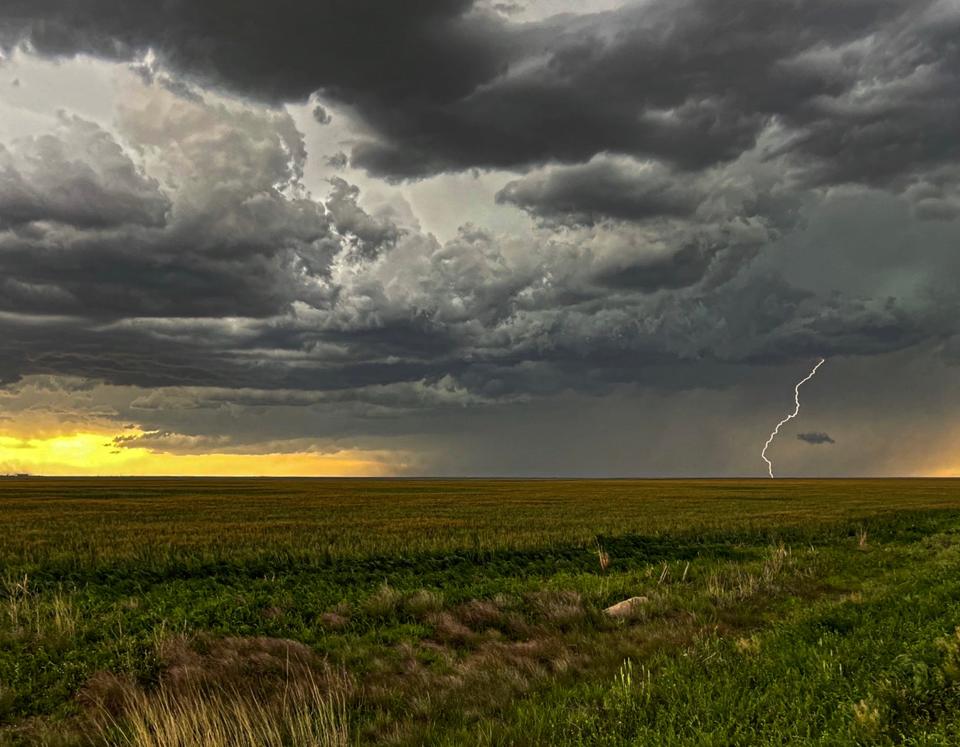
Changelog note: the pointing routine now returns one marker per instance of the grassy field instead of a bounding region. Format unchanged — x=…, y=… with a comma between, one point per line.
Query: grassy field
x=408, y=612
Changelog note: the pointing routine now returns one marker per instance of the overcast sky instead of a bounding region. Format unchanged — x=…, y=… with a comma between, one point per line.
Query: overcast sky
x=543, y=237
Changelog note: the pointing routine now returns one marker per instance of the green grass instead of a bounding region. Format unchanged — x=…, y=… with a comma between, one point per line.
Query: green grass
x=470, y=612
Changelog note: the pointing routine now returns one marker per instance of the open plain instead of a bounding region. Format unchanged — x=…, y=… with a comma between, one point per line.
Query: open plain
x=356, y=611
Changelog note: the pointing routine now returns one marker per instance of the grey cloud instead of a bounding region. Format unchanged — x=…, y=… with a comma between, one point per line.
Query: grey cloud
x=78, y=176
x=816, y=438
x=603, y=188
x=368, y=235
x=426, y=311
x=240, y=290
x=321, y=115
x=645, y=268
x=275, y=51
x=675, y=228
x=683, y=268
x=693, y=82
x=863, y=91
x=232, y=234
x=937, y=209
x=338, y=160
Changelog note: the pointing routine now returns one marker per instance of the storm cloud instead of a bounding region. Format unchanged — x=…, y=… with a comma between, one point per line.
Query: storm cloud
x=447, y=85
x=698, y=193
x=816, y=438
x=79, y=177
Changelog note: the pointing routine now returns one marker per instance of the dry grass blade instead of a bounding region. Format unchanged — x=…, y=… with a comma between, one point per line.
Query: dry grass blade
x=304, y=716
x=603, y=557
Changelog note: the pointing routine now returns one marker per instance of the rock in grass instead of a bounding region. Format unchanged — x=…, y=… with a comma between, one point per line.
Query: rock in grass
x=626, y=608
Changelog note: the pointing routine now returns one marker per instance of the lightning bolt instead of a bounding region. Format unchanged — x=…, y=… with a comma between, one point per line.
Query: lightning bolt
x=791, y=416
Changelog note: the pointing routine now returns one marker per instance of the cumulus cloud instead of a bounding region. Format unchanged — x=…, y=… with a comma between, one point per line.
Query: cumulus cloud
x=78, y=176
x=252, y=283
x=229, y=234
x=367, y=235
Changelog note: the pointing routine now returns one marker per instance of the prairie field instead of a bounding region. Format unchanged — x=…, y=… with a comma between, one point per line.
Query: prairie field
x=473, y=612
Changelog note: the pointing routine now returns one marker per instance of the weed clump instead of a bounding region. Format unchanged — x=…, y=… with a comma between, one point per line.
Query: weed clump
x=479, y=614
x=384, y=602
x=866, y=716
x=448, y=629
x=422, y=602
x=560, y=609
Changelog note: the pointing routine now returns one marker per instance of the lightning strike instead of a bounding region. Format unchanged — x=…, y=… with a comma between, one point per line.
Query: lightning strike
x=791, y=416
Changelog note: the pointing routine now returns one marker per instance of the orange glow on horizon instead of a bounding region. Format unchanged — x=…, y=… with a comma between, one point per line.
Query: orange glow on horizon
x=95, y=454
x=946, y=472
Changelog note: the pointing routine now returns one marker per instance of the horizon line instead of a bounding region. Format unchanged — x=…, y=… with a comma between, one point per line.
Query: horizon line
x=763, y=478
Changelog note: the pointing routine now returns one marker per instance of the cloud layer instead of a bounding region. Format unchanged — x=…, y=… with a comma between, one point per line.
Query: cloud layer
x=679, y=165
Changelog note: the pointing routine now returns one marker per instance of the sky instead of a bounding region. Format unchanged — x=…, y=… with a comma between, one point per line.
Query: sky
x=468, y=237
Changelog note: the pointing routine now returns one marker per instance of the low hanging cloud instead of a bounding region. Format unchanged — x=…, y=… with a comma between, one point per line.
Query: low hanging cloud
x=603, y=188
x=815, y=438
x=250, y=282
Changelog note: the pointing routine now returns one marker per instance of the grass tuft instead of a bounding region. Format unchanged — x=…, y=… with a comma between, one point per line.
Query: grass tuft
x=302, y=716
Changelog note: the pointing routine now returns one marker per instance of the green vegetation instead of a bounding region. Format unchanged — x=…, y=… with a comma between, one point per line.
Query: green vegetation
x=334, y=612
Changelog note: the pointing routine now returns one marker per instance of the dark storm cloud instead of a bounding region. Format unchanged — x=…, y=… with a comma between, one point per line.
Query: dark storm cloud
x=660, y=148
x=681, y=269
x=243, y=287
x=321, y=115
x=82, y=178
x=867, y=91
x=602, y=189
x=692, y=83
x=816, y=438
x=276, y=51
x=462, y=310
x=448, y=88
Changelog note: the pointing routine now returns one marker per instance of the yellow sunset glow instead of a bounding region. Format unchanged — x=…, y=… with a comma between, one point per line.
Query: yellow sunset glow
x=95, y=454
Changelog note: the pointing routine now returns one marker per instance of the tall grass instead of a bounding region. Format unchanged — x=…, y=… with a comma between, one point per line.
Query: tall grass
x=26, y=613
x=195, y=716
